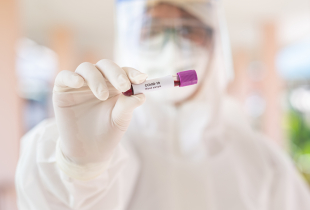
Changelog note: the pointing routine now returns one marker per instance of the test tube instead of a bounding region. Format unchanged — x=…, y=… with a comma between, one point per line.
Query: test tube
x=182, y=79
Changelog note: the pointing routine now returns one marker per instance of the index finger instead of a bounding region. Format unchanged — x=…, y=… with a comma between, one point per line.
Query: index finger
x=68, y=79
x=115, y=74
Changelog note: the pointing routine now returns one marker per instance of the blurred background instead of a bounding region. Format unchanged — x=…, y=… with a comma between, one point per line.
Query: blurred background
x=270, y=42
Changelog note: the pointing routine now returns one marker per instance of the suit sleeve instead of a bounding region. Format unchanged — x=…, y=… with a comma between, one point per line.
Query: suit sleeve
x=41, y=184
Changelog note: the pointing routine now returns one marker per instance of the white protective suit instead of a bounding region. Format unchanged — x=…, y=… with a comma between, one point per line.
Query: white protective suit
x=201, y=154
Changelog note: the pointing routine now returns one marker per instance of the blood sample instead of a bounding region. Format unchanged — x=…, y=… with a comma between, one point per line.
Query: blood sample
x=182, y=79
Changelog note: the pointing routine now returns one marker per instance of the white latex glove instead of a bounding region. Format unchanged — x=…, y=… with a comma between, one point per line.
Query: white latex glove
x=92, y=115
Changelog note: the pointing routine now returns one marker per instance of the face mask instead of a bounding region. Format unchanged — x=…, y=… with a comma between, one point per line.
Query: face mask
x=170, y=61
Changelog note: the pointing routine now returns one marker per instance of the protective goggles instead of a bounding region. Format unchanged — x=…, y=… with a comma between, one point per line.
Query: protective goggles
x=186, y=33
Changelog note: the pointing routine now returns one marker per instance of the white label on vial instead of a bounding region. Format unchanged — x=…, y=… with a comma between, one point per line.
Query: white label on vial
x=154, y=84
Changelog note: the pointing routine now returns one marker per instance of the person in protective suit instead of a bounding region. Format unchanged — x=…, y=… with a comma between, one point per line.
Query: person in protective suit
x=184, y=148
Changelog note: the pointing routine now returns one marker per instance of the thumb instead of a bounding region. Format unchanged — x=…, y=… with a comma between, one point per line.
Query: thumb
x=122, y=112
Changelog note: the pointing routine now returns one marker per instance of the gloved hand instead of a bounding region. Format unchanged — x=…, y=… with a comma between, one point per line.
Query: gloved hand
x=92, y=115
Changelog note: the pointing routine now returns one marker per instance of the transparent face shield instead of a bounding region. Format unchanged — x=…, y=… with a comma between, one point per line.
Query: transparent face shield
x=165, y=37
x=162, y=37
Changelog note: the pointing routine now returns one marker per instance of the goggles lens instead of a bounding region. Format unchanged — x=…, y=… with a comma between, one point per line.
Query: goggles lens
x=186, y=33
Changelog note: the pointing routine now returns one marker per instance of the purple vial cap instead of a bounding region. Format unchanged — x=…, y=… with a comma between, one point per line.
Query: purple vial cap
x=187, y=78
